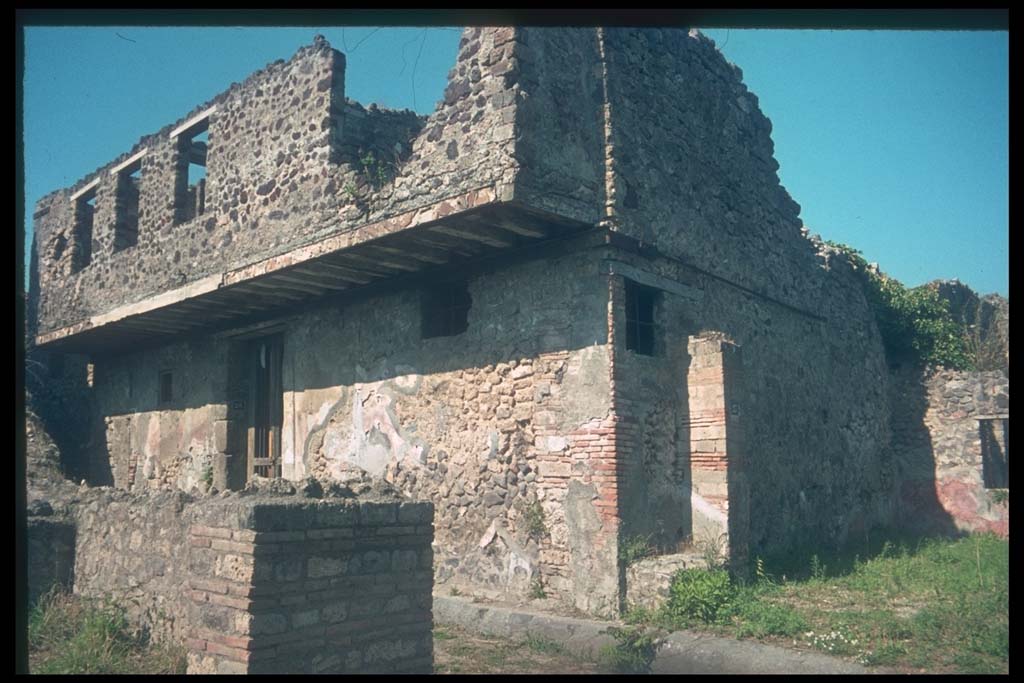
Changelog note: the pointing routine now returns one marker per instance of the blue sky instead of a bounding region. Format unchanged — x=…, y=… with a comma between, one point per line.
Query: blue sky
x=893, y=142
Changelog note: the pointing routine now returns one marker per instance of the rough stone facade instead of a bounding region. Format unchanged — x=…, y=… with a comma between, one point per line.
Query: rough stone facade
x=567, y=176
x=266, y=581
x=951, y=433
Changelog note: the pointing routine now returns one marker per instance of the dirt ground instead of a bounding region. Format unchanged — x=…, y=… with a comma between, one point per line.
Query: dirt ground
x=459, y=652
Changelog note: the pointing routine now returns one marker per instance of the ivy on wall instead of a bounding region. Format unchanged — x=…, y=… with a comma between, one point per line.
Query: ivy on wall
x=915, y=323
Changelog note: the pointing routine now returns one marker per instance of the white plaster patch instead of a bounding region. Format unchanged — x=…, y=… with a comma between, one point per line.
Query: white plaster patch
x=552, y=444
x=709, y=511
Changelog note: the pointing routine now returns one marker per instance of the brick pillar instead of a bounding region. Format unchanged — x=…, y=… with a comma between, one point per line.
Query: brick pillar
x=311, y=587
x=720, y=497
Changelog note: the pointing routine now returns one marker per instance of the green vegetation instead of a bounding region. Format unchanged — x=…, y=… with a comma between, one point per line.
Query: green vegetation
x=545, y=646
x=699, y=594
x=932, y=605
x=377, y=172
x=208, y=476
x=71, y=635
x=915, y=323
x=635, y=548
x=533, y=516
x=633, y=651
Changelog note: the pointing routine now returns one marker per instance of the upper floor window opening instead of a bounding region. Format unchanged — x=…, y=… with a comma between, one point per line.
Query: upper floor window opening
x=85, y=214
x=190, y=179
x=126, y=204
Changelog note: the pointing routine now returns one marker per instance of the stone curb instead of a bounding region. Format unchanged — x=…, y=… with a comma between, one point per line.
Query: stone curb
x=682, y=652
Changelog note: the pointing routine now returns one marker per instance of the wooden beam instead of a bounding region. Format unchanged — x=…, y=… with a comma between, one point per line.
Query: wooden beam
x=269, y=299
x=516, y=225
x=281, y=284
x=475, y=233
x=447, y=243
x=389, y=261
x=368, y=264
x=320, y=267
x=416, y=251
x=303, y=278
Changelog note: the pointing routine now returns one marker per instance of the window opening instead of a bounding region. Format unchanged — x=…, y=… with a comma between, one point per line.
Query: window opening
x=995, y=452
x=190, y=184
x=640, y=324
x=85, y=212
x=126, y=222
x=445, y=310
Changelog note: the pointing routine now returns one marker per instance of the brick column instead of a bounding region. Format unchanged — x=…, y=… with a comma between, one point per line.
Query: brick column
x=720, y=496
x=311, y=587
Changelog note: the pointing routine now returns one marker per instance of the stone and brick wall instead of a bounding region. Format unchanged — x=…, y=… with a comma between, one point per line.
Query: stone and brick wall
x=504, y=422
x=943, y=421
x=284, y=168
x=691, y=179
x=274, y=580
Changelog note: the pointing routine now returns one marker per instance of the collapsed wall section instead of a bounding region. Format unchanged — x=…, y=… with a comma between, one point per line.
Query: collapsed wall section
x=288, y=160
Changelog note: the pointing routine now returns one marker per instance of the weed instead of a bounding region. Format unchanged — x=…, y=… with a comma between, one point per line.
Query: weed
x=635, y=548
x=817, y=568
x=1000, y=496
x=761, y=576
x=713, y=548
x=208, y=476
x=939, y=605
x=376, y=171
x=454, y=592
x=537, y=589
x=440, y=633
x=836, y=642
x=759, y=618
x=68, y=634
x=633, y=652
x=698, y=594
x=544, y=646
x=533, y=515
x=637, y=615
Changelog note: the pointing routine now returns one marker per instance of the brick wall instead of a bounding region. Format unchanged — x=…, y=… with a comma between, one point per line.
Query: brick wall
x=261, y=581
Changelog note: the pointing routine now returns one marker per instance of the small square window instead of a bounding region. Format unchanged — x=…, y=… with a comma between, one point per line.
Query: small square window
x=640, y=324
x=445, y=310
x=166, y=387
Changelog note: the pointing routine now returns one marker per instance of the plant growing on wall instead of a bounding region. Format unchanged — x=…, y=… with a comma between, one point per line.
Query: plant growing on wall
x=635, y=548
x=915, y=323
x=533, y=515
x=376, y=171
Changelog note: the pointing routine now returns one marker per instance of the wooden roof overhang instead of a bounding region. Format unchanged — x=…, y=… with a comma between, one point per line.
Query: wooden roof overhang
x=434, y=240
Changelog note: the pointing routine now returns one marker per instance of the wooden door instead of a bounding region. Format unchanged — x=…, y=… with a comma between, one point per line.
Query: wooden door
x=266, y=407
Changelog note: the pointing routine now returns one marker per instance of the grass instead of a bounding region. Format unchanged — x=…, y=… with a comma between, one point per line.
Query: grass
x=68, y=634
x=940, y=606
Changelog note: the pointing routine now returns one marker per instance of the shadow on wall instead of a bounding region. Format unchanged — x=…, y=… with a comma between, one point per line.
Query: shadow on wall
x=918, y=509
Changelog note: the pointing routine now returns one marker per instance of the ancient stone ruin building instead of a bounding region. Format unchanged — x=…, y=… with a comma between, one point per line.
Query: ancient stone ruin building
x=572, y=307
